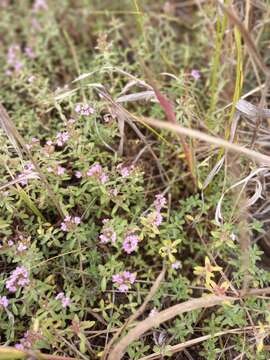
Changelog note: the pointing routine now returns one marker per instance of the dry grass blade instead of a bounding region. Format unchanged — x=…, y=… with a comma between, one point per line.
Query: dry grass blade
x=125, y=116
x=165, y=315
x=171, y=116
x=19, y=179
x=196, y=134
x=248, y=40
x=9, y=130
x=143, y=95
x=218, y=216
x=251, y=111
x=138, y=313
x=179, y=347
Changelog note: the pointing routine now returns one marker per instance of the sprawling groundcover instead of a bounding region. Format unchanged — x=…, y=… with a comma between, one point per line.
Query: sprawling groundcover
x=124, y=234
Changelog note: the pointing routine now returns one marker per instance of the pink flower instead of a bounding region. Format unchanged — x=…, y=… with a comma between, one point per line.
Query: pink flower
x=71, y=122
x=94, y=169
x=34, y=140
x=29, y=52
x=10, y=243
x=18, y=278
x=160, y=202
x=60, y=170
x=124, y=280
x=13, y=53
x=153, y=312
x=21, y=247
x=13, y=59
x=70, y=223
x=4, y=301
x=176, y=265
x=84, y=109
x=123, y=287
x=97, y=172
x=131, y=277
x=35, y=25
x=29, y=167
x=28, y=341
x=77, y=220
x=31, y=79
x=113, y=192
x=64, y=226
x=4, y=3
x=130, y=243
x=158, y=219
x=195, y=74
x=125, y=171
x=78, y=174
x=40, y=5
x=117, y=278
x=18, y=66
x=64, y=300
x=107, y=234
x=62, y=138
x=103, y=178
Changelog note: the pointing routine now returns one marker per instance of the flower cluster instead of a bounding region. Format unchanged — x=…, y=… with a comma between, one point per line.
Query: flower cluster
x=29, y=52
x=84, y=109
x=154, y=219
x=62, y=138
x=70, y=223
x=97, y=172
x=64, y=299
x=34, y=141
x=3, y=302
x=124, y=280
x=125, y=171
x=13, y=60
x=70, y=122
x=28, y=173
x=22, y=243
x=21, y=247
x=28, y=341
x=130, y=243
x=160, y=202
x=107, y=233
x=40, y=5
x=59, y=170
x=18, y=278
x=49, y=147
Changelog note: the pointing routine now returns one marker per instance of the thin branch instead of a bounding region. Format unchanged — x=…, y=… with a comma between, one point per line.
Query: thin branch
x=150, y=322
